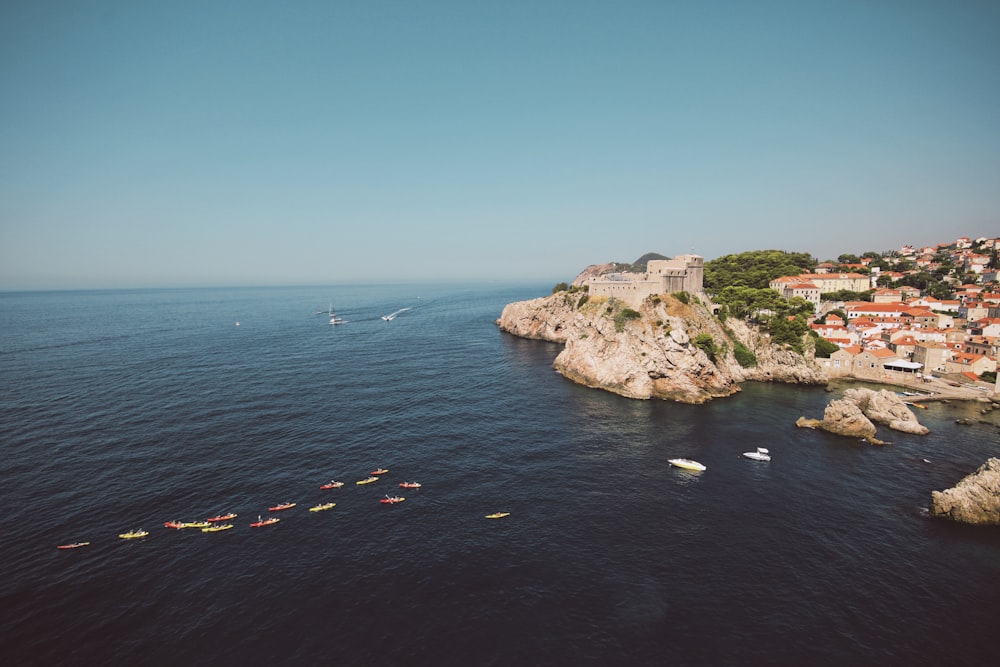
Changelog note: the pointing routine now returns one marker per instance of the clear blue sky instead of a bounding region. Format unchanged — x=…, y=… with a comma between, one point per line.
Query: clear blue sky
x=151, y=143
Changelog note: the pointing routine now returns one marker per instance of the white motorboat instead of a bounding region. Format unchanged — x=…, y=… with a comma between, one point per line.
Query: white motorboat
x=688, y=464
x=760, y=455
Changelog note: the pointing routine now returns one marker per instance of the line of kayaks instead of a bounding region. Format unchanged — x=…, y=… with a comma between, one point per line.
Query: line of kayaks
x=220, y=522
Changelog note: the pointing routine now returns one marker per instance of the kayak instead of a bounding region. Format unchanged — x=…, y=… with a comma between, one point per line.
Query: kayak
x=392, y=500
x=497, y=515
x=265, y=522
x=324, y=506
x=74, y=545
x=133, y=534
x=186, y=524
x=380, y=471
x=332, y=485
x=217, y=527
x=282, y=506
x=410, y=485
x=221, y=517
x=367, y=481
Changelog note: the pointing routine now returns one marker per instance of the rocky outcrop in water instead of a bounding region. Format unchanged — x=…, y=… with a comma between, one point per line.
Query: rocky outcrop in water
x=856, y=414
x=668, y=349
x=975, y=499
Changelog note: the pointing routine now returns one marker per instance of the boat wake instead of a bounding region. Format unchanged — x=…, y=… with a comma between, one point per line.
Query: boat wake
x=391, y=316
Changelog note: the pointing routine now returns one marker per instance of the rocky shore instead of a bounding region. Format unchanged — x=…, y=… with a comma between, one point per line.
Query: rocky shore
x=654, y=352
x=974, y=500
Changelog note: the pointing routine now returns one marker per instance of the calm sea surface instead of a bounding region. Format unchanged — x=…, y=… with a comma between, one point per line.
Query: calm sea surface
x=126, y=409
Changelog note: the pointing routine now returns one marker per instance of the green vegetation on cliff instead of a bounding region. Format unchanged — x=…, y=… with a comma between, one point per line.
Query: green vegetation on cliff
x=755, y=268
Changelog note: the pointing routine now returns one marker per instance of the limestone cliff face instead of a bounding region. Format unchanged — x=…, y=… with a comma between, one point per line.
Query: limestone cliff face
x=651, y=356
x=975, y=499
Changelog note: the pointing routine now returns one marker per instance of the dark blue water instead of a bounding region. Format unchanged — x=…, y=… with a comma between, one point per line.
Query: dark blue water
x=126, y=409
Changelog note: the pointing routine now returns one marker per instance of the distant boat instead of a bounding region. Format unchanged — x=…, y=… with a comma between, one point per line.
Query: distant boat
x=497, y=515
x=688, y=464
x=334, y=318
x=760, y=455
x=391, y=316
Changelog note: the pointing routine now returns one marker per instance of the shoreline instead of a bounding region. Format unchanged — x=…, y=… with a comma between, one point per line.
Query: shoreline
x=933, y=390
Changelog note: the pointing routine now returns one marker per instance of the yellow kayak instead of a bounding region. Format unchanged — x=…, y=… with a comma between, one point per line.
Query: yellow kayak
x=324, y=506
x=367, y=481
x=497, y=515
x=133, y=534
x=195, y=524
x=217, y=527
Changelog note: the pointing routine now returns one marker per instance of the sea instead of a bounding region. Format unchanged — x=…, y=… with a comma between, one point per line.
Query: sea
x=125, y=409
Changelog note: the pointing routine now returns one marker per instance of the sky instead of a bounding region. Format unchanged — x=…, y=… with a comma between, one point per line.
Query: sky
x=242, y=142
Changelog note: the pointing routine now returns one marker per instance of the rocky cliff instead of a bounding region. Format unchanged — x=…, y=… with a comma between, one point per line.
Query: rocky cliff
x=856, y=414
x=975, y=499
x=651, y=353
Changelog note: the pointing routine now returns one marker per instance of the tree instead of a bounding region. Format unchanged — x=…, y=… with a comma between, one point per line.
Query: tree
x=848, y=259
x=756, y=268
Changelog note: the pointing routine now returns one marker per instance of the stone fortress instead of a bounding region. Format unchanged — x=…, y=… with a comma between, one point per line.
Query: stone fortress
x=683, y=273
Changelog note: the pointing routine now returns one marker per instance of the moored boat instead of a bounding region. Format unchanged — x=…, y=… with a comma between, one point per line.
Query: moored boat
x=688, y=464
x=282, y=506
x=410, y=485
x=217, y=527
x=497, y=515
x=264, y=522
x=392, y=500
x=332, y=485
x=321, y=507
x=221, y=517
x=367, y=481
x=134, y=534
x=760, y=455
x=72, y=545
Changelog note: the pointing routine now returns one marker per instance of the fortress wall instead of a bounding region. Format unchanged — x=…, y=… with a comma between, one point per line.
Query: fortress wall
x=684, y=273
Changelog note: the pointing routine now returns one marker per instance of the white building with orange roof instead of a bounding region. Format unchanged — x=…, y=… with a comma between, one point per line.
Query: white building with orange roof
x=964, y=362
x=826, y=282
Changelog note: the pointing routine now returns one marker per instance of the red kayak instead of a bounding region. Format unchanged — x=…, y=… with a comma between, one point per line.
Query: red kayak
x=332, y=485
x=392, y=500
x=380, y=471
x=410, y=485
x=74, y=545
x=221, y=517
x=174, y=524
x=282, y=506
x=264, y=522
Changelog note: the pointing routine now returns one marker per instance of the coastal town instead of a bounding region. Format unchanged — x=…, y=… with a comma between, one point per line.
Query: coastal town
x=925, y=318
x=904, y=335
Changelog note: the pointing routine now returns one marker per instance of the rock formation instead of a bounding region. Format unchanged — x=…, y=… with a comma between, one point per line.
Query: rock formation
x=651, y=353
x=975, y=499
x=856, y=414
x=885, y=407
x=594, y=271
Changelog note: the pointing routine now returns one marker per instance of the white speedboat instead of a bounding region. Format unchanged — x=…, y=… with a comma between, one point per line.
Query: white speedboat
x=760, y=455
x=688, y=464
